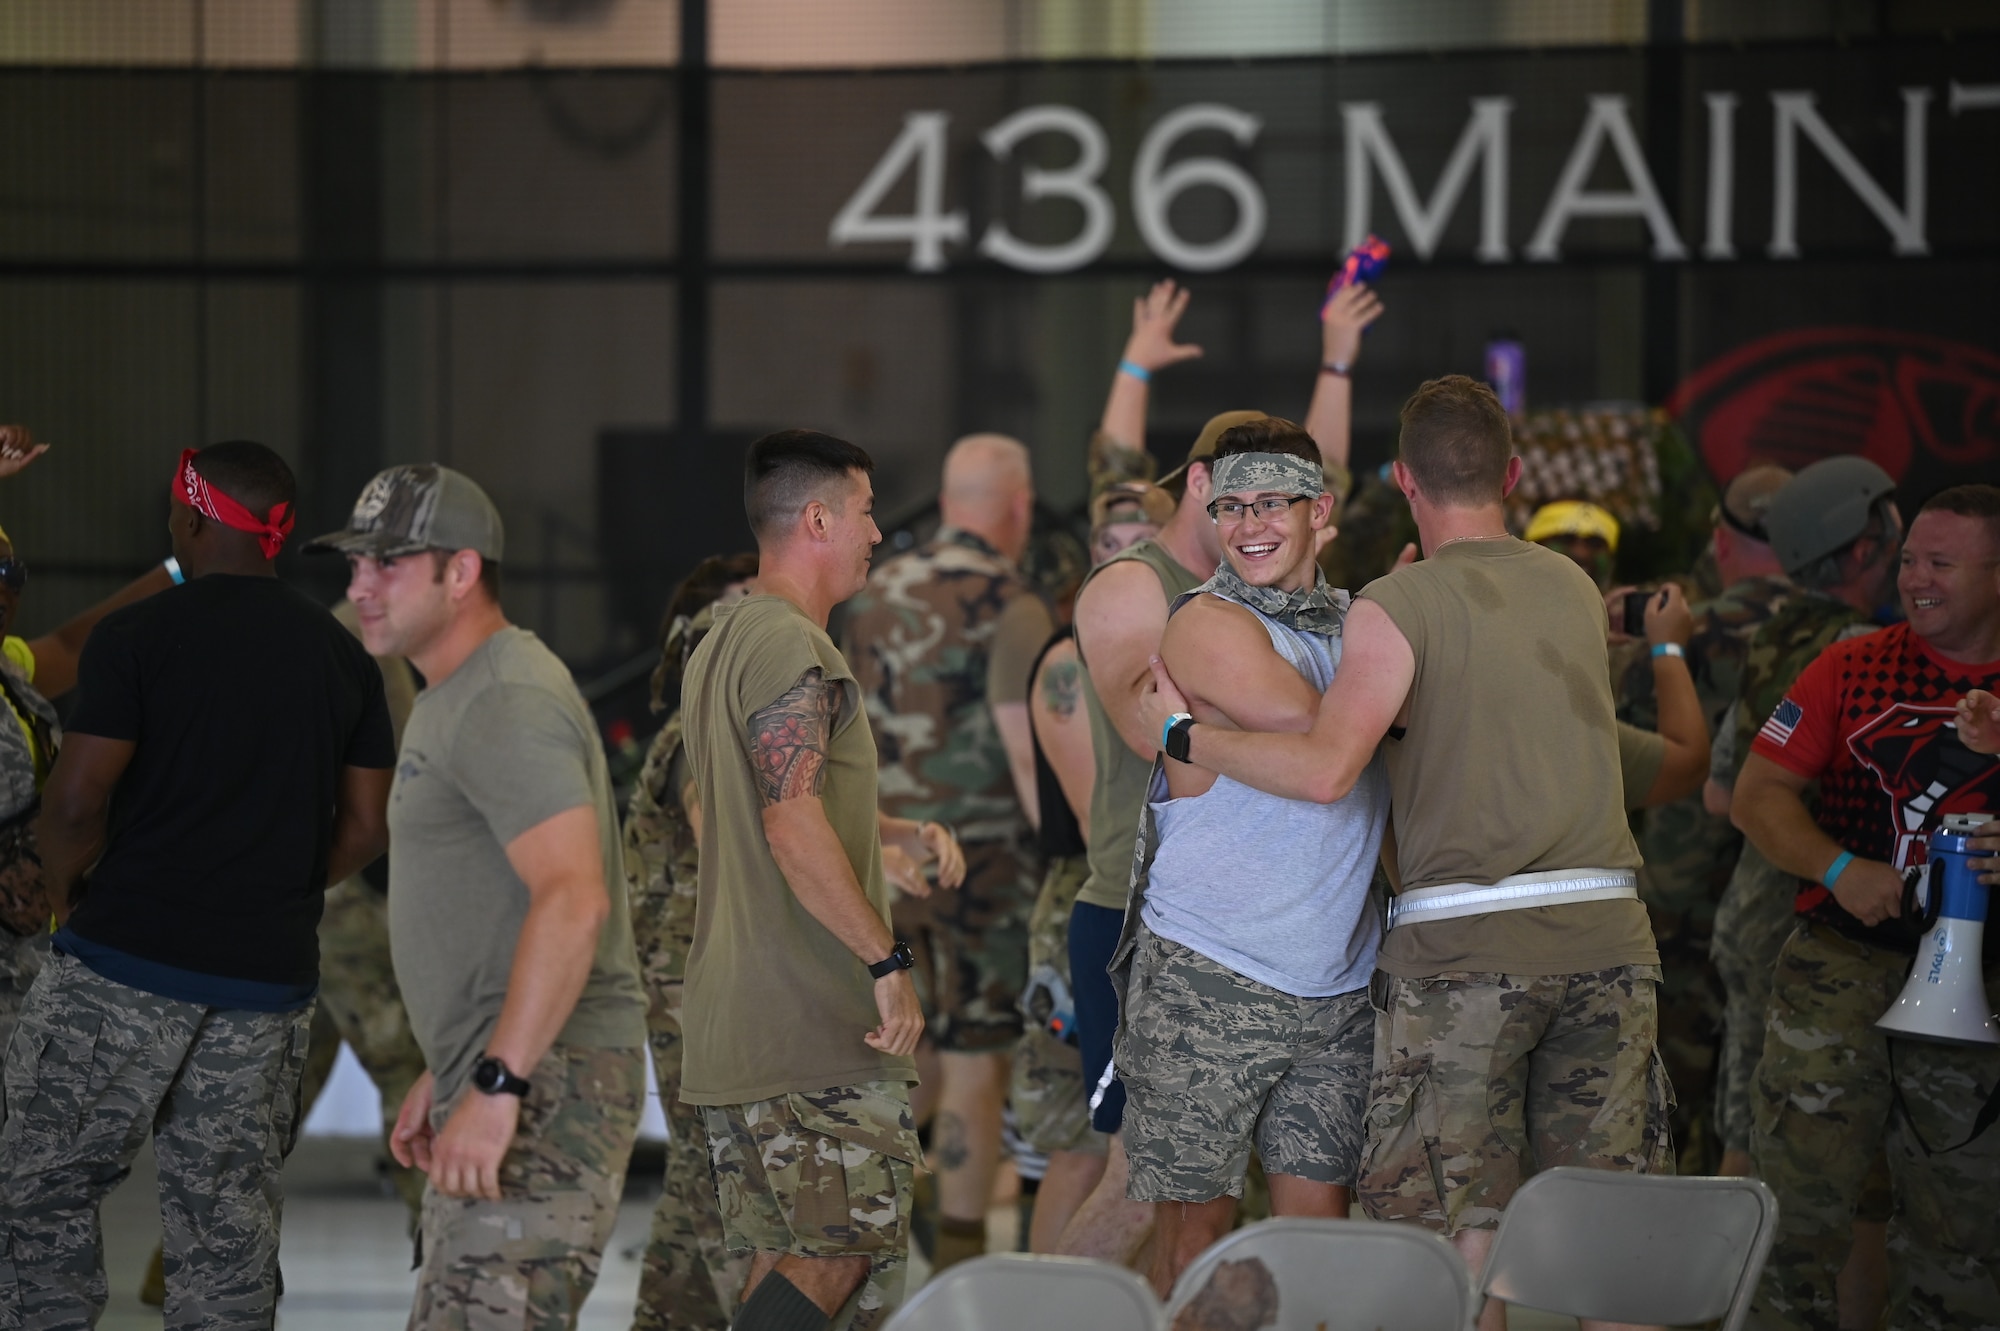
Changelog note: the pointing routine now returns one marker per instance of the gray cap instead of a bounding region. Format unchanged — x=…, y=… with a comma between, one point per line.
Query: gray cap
x=1823, y=508
x=418, y=507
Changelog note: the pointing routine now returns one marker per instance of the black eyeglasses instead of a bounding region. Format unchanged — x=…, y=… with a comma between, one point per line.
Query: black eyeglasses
x=14, y=572
x=1229, y=510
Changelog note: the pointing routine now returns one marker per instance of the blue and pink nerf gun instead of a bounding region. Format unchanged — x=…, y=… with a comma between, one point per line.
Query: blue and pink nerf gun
x=1364, y=263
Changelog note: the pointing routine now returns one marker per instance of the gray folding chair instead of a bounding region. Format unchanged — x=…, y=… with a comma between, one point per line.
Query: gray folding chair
x=1634, y=1247
x=1010, y=1291
x=1346, y=1275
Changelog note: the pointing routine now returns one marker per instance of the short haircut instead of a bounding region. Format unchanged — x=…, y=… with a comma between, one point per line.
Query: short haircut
x=1976, y=500
x=249, y=473
x=787, y=470
x=1457, y=442
x=1832, y=568
x=1271, y=434
x=489, y=571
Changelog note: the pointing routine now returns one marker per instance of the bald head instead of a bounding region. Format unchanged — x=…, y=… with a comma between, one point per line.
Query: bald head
x=988, y=488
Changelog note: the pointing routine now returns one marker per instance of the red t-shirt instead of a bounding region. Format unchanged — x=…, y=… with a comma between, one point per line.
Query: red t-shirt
x=1873, y=721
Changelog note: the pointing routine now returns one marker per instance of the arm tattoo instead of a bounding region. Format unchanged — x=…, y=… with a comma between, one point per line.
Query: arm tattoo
x=1062, y=687
x=788, y=739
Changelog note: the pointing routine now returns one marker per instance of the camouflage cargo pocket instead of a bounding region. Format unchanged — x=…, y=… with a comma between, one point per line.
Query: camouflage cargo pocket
x=851, y=1174
x=1660, y=1105
x=52, y=1076
x=1399, y=1177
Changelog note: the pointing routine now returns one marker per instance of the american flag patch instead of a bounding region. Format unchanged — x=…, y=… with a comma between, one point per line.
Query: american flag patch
x=1784, y=720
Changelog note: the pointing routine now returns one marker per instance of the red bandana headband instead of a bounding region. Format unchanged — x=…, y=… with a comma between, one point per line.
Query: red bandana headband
x=210, y=502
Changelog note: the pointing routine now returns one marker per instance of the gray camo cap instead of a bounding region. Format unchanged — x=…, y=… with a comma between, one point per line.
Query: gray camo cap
x=421, y=506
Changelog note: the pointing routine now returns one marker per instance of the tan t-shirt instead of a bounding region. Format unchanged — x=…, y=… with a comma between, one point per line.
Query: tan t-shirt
x=1119, y=791
x=774, y=1002
x=1510, y=763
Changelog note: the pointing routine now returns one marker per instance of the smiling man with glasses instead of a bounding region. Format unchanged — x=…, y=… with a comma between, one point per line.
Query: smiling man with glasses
x=1250, y=935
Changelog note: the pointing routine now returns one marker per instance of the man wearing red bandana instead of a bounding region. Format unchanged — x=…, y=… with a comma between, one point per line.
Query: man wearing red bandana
x=229, y=756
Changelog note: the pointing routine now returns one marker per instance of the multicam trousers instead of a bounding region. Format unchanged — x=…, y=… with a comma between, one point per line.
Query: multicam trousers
x=1831, y=1092
x=1482, y=1079
x=1051, y=1103
x=1752, y=922
x=528, y=1261
x=93, y=1068
x=359, y=1003
x=822, y=1174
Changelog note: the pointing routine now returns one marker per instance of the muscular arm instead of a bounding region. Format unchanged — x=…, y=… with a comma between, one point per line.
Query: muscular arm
x=360, y=821
x=76, y=801
x=1377, y=669
x=788, y=745
x=562, y=864
x=1769, y=807
x=57, y=652
x=1056, y=696
x=1223, y=661
x=1120, y=619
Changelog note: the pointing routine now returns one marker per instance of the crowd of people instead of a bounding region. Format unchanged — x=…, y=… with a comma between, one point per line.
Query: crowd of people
x=1188, y=887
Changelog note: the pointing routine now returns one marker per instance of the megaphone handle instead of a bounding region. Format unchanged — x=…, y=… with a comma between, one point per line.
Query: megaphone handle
x=1929, y=906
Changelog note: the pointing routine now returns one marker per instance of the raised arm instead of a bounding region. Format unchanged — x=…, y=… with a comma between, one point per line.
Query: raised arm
x=1120, y=618
x=1330, y=417
x=58, y=651
x=788, y=744
x=1149, y=349
x=1377, y=669
x=1681, y=722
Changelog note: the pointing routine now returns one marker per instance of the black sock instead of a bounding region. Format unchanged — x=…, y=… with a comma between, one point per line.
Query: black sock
x=777, y=1305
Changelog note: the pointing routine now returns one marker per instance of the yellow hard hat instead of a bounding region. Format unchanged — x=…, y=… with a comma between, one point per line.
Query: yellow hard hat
x=1573, y=518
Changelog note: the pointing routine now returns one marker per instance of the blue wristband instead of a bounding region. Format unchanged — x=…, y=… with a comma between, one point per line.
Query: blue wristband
x=1669, y=649
x=1834, y=870
x=1139, y=372
x=173, y=568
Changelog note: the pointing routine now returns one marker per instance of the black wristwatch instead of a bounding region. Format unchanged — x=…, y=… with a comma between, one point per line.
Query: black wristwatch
x=900, y=958
x=490, y=1075
x=1177, y=736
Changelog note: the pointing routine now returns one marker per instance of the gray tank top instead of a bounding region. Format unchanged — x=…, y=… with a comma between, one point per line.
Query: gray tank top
x=1274, y=889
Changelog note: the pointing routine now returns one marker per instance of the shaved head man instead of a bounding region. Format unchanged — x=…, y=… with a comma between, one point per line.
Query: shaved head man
x=943, y=641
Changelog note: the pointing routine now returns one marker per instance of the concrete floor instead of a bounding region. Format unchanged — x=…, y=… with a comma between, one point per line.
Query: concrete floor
x=347, y=1262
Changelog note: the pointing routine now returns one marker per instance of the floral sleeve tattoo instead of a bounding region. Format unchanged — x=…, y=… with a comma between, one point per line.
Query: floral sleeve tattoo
x=788, y=739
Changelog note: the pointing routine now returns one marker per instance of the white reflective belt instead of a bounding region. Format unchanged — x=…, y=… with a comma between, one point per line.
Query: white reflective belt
x=1559, y=887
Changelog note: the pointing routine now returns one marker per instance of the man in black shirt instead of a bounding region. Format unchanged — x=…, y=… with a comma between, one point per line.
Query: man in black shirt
x=229, y=756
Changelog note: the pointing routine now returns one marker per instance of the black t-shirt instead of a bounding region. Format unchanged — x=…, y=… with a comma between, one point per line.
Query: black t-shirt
x=245, y=700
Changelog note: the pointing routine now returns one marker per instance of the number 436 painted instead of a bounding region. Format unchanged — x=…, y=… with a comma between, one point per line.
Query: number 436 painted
x=1155, y=185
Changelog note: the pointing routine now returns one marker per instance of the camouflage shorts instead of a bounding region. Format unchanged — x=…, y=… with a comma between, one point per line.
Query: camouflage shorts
x=530, y=1259
x=971, y=947
x=822, y=1174
x=1482, y=1079
x=1051, y=1104
x=1216, y=1064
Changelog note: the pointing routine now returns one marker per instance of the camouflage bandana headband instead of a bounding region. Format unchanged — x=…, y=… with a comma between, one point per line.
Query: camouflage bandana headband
x=1249, y=473
x=1318, y=610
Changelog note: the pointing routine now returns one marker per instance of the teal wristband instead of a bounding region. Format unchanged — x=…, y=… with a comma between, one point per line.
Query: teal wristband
x=1834, y=870
x=173, y=568
x=1139, y=372
x=1669, y=649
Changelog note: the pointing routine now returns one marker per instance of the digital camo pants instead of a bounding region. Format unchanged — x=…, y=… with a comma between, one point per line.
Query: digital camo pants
x=93, y=1067
x=1830, y=1093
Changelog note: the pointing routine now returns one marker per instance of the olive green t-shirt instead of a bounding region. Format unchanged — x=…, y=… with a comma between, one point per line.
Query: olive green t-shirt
x=1118, y=793
x=497, y=747
x=1510, y=762
x=774, y=1002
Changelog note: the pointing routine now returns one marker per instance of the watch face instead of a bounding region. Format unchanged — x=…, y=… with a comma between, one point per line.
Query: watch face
x=487, y=1073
